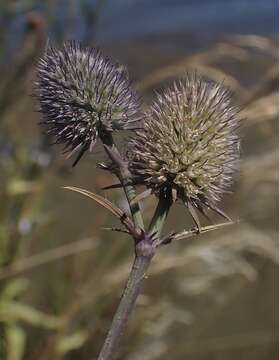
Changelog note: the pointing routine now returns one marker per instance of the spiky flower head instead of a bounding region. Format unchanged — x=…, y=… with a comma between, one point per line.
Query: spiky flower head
x=82, y=93
x=188, y=146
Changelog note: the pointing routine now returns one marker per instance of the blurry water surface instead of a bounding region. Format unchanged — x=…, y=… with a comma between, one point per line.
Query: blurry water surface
x=125, y=20
x=129, y=18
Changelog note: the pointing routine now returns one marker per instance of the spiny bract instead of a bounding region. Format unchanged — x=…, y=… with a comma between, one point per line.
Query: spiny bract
x=189, y=145
x=82, y=93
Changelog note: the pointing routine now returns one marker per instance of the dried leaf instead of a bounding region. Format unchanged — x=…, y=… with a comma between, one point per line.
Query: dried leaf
x=189, y=233
x=204, y=229
x=100, y=200
x=115, y=210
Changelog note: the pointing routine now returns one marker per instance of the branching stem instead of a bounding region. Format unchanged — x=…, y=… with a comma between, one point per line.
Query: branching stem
x=144, y=251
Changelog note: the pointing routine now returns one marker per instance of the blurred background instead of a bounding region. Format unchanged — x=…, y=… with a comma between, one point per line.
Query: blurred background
x=61, y=275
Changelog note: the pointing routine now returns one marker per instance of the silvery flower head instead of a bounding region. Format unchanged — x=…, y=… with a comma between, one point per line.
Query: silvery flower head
x=188, y=147
x=82, y=93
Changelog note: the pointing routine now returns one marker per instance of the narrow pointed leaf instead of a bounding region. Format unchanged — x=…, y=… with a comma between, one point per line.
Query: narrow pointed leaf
x=189, y=233
x=115, y=210
x=204, y=229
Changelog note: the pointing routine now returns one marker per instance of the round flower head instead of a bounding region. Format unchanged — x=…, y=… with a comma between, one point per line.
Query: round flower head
x=188, y=147
x=81, y=93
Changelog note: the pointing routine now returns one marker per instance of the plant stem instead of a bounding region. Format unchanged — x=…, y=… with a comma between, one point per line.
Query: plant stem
x=143, y=254
x=160, y=215
x=131, y=292
x=124, y=176
x=125, y=307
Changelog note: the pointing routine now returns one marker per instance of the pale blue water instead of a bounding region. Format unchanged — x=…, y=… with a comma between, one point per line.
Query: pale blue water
x=129, y=18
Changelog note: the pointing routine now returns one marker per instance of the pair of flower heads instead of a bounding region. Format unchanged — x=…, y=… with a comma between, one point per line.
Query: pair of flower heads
x=186, y=145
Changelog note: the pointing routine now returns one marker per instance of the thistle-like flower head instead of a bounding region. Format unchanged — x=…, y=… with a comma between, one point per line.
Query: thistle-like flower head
x=189, y=145
x=82, y=93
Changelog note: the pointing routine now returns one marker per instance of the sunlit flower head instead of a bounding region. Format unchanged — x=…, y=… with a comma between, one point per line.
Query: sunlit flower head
x=189, y=146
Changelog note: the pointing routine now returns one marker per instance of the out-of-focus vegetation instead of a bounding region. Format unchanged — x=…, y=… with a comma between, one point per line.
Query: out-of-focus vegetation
x=61, y=275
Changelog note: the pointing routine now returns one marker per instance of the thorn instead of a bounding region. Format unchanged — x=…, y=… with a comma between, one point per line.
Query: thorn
x=80, y=154
x=143, y=195
x=194, y=215
x=116, y=230
x=114, y=154
x=167, y=239
x=75, y=149
x=113, y=186
x=219, y=211
x=201, y=210
x=103, y=166
x=153, y=235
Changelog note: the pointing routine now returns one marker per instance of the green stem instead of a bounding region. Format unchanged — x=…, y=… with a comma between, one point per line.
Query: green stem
x=124, y=176
x=161, y=213
x=125, y=307
x=130, y=192
x=144, y=250
x=144, y=254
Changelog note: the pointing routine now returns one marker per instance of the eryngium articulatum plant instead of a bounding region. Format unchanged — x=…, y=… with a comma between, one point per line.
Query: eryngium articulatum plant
x=188, y=145
x=81, y=93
